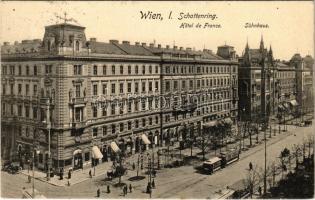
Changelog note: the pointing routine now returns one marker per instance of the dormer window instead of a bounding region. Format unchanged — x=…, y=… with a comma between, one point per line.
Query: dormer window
x=77, y=45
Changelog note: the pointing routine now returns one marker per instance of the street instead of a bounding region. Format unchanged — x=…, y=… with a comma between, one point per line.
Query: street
x=182, y=182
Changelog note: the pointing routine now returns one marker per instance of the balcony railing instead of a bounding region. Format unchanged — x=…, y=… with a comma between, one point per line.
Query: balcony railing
x=78, y=100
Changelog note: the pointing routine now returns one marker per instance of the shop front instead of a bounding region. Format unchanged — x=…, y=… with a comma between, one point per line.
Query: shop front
x=77, y=159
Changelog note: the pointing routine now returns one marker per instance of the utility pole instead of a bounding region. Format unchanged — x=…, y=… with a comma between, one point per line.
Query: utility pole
x=49, y=128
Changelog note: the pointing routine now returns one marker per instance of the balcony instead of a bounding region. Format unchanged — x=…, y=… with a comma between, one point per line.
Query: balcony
x=46, y=100
x=78, y=100
x=78, y=125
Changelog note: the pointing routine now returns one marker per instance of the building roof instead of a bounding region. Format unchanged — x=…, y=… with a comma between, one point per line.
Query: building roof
x=256, y=53
x=105, y=48
x=134, y=49
x=27, y=46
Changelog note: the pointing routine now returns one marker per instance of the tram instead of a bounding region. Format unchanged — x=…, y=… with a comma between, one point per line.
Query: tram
x=229, y=157
x=212, y=165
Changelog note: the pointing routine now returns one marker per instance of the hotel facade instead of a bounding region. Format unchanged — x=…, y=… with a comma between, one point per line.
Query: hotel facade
x=79, y=98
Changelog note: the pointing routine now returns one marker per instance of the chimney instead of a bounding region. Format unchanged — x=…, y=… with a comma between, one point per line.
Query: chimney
x=181, y=48
x=143, y=44
x=93, y=39
x=6, y=43
x=159, y=46
x=167, y=46
x=175, y=47
x=137, y=43
x=151, y=45
x=126, y=42
x=113, y=41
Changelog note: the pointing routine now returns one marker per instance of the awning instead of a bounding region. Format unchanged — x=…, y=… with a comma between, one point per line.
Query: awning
x=77, y=151
x=228, y=120
x=145, y=139
x=96, y=153
x=294, y=103
x=114, y=147
x=210, y=124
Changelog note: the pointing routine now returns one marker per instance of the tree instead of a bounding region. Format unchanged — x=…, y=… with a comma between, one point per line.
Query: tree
x=252, y=178
x=119, y=167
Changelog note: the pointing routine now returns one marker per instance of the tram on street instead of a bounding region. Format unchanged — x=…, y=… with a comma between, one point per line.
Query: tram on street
x=212, y=165
x=229, y=157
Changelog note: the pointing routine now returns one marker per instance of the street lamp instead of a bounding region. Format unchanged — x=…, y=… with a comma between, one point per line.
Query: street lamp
x=49, y=151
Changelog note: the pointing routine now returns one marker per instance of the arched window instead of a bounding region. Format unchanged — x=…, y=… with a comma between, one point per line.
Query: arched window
x=77, y=45
x=48, y=45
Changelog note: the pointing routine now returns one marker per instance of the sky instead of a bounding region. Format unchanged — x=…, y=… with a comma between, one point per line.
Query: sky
x=291, y=24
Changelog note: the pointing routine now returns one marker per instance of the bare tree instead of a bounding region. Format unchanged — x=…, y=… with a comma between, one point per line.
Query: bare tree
x=251, y=180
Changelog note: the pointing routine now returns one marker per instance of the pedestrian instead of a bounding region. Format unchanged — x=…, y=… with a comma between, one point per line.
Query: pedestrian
x=126, y=189
x=90, y=173
x=108, y=189
x=98, y=192
x=153, y=184
x=124, y=192
x=133, y=166
x=130, y=188
x=29, y=178
x=69, y=174
x=250, y=166
x=259, y=190
x=154, y=173
x=68, y=183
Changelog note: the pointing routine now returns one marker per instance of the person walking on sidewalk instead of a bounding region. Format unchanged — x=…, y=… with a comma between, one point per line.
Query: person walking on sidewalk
x=90, y=173
x=153, y=184
x=130, y=188
x=133, y=166
x=108, y=189
x=259, y=190
x=250, y=166
x=69, y=174
x=98, y=192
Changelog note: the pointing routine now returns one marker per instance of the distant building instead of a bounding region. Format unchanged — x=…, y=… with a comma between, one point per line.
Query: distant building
x=102, y=97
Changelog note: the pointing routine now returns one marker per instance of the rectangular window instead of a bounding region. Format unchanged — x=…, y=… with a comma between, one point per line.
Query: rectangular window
x=19, y=88
x=113, y=69
x=156, y=119
x=104, y=129
x=121, y=69
x=12, y=70
x=183, y=84
x=104, y=111
x=20, y=110
x=136, y=105
x=129, y=69
x=34, y=113
x=3, y=108
x=77, y=69
x=104, y=70
x=136, y=124
x=12, y=89
x=113, y=109
x=104, y=88
x=27, y=70
x=113, y=88
x=129, y=87
x=3, y=89
x=95, y=90
x=35, y=70
x=77, y=114
x=143, y=69
x=48, y=69
x=129, y=125
x=27, y=111
x=156, y=69
x=113, y=128
x=150, y=86
x=143, y=104
x=121, y=127
x=94, y=132
x=175, y=85
x=77, y=91
x=136, y=69
x=191, y=84
x=143, y=122
x=136, y=87
x=143, y=86
x=121, y=88
x=150, y=69
x=167, y=86
x=95, y=70
x=198, y=83
x=129, y=106
x=12, y=109
x=34, y=90
x=156, y=85
x=27, y=89
x=94, y=111
x=20, y=70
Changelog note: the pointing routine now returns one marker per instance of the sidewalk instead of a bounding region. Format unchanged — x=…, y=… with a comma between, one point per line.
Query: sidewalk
x=77, y=176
